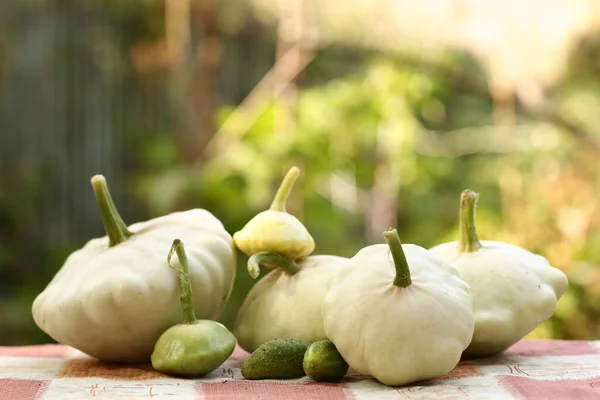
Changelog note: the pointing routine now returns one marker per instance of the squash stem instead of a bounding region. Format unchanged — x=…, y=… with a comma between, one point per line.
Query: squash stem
x=271, y=261
x=467, y=234
x=116, y=229
x=185, y=280
x=284, y=190
x=402, y=278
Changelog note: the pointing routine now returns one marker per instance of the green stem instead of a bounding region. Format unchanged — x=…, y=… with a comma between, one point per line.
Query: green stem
x=402, y=278
x=185, y=280
x=272, y=260
x=284, y=190
x=116, y=229
x=467, y=234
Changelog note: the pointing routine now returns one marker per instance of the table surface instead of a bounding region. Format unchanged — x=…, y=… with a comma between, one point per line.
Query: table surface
x=531, y=369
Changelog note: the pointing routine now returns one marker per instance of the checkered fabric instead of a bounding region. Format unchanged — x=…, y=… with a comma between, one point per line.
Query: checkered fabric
x=531, y=369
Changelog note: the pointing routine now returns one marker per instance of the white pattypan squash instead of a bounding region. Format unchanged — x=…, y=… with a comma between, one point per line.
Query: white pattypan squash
x=399, y=313
x=288, y=301
x=514, y=290
x=275, y=230
x=114, y=297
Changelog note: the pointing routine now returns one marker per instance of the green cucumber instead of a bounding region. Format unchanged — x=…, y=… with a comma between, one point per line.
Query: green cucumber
x=323, y=362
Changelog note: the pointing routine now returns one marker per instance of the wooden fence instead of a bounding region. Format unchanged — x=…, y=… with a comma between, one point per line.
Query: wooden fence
x=71, y=106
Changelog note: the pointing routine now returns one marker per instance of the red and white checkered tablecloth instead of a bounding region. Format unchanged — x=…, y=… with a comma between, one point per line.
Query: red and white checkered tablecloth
x=531, y=369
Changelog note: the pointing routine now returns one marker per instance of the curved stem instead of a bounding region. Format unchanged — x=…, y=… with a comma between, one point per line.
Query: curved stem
x=116, y=229
x=467, y=234
x=185, y=280
x=271, y=260
x=402, y=278
x=284, y=190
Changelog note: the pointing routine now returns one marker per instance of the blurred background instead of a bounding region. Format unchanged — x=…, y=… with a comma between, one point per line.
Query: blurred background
x=390, y=108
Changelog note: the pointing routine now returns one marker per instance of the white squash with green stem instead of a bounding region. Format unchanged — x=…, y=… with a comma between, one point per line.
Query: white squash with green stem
x=399, y=313
x=114, y=297
x=514, y=290
x=288, y=301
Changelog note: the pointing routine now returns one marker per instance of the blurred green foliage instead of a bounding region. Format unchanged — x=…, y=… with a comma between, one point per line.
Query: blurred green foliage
x=381, y=139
